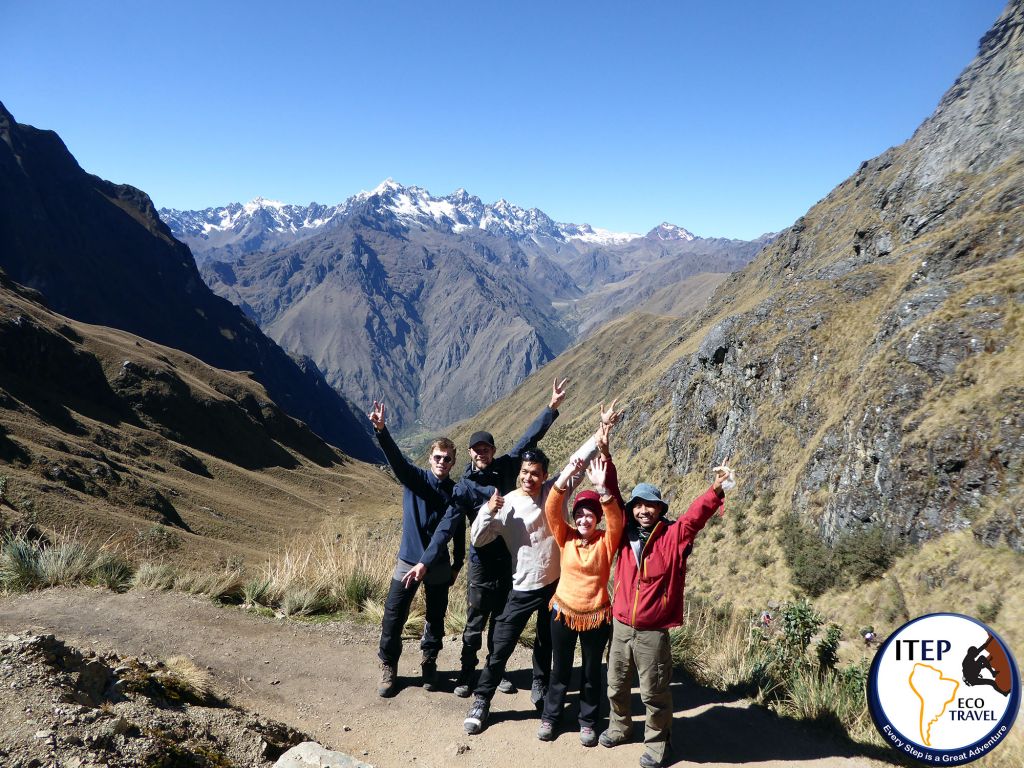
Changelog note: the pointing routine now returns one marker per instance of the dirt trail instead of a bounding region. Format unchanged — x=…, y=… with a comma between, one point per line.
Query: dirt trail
x=321, y=678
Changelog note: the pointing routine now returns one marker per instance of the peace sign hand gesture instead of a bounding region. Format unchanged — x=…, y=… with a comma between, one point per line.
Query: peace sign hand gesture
x=377, y=415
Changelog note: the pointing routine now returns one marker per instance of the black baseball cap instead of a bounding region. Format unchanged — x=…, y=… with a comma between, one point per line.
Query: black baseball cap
x=481, y=437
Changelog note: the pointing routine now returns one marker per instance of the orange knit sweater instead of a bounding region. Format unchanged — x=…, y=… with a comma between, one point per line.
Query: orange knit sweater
x=581, y=600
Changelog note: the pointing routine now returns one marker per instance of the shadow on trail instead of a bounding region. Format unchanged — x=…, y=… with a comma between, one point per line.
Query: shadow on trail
x=727, y=731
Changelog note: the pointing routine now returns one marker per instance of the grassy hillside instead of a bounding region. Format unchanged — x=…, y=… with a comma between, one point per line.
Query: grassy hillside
x=128, y=442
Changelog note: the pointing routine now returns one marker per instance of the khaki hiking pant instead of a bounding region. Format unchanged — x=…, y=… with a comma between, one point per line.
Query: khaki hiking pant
x=645, y=654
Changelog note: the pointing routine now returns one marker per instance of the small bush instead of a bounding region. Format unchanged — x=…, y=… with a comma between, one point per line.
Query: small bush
x=988, y=612
x=808, y=557
x=863, y=555
x=827, y=649
x=764, y=559
x=26, y=564
x=183, y=681
x=225, y=586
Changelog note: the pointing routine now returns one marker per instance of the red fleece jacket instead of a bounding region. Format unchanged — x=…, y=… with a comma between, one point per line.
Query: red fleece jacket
x=649, y=593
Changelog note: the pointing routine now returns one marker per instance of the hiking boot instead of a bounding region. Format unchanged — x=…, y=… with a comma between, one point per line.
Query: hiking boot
x=537, y=693
x=588, y=736
x=464, y=682
x=646, y=761
x=477, y=715
x=507, y=686
x=428, y=670
x=609, y=739
x=546, y=732
x=388, y=680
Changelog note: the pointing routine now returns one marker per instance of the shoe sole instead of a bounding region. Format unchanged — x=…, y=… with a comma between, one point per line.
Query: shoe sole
x=472, y=726
x=463, y=693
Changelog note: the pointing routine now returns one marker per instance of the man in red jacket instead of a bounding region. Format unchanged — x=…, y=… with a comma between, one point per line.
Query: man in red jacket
x=650, y=576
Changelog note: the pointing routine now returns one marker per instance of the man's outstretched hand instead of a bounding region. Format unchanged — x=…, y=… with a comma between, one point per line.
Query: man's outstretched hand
x=377, y=415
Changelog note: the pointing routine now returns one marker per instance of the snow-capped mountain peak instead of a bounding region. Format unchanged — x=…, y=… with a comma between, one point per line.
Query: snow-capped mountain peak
x=410, y=206
x=667, y=231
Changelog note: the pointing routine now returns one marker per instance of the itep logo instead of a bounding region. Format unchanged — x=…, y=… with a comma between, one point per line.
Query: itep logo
x=944, y=689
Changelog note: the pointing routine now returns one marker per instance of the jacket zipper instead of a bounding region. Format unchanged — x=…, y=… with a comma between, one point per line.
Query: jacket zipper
x=643, y=567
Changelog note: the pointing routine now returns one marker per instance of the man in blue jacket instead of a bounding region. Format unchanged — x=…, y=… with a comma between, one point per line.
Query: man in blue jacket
x=490, y=566
x=427, y=495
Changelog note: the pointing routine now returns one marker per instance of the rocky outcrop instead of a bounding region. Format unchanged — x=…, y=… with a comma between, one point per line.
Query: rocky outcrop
x=63, y=706
x=877, y=381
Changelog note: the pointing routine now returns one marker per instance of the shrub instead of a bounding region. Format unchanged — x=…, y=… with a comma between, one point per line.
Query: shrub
x=827, y=649
x=26, y=564
x=864, y=554
x=111, y=570
x=808, y=557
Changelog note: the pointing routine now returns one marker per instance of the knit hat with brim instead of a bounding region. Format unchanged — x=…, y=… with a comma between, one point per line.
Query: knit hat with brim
x=588, y=500
x=646, y=492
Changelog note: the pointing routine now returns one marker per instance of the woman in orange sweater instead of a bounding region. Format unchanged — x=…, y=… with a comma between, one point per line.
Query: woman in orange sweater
x=581, y=607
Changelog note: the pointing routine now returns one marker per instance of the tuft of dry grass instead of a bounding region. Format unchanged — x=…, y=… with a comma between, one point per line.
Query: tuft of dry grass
x=68, y=560
x=226, y=585
x=183, y=679
x=155, y=576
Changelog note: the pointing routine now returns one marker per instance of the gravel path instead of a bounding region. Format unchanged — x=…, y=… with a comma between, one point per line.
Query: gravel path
x=321, y=678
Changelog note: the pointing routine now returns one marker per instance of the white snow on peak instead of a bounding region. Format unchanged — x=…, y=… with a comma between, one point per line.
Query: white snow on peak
x=412, y=206
x=600, y=236
x=668, y=231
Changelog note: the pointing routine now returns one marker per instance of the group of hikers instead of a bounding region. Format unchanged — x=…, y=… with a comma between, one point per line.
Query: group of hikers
x=526, y=558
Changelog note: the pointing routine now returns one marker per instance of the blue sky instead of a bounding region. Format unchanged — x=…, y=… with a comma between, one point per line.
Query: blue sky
x=730, y=119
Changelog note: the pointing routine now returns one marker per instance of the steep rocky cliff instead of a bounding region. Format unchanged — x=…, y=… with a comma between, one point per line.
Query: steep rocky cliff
x=866, y=370
x=868, y=364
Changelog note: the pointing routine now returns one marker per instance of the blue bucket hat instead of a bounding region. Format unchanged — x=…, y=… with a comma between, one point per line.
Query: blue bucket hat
x=647, y=492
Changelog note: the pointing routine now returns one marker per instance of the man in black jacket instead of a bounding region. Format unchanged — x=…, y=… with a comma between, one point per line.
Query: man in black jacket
x=490, y=566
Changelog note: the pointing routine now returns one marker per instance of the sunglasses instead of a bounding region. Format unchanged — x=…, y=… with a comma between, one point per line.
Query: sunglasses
x=532, y=456
x=442, y=459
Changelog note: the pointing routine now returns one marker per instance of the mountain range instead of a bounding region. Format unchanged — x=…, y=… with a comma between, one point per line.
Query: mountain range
x=98, y=252
x=439, y=304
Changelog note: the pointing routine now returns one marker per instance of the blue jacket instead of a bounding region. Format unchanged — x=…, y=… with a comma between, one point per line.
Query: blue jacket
x=424, y=501
x=475, y=488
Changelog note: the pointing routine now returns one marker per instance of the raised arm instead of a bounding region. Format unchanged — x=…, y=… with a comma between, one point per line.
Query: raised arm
x=600, y=472
x=407, y=473
x=543, y=422
x=596, y=443
x=554, y=511
x=452, y=527
x=705, y=505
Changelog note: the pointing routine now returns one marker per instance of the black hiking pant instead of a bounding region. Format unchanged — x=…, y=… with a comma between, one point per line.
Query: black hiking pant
x=563, y=650
x=484, y=603
x=509, y=627
x=396, y=613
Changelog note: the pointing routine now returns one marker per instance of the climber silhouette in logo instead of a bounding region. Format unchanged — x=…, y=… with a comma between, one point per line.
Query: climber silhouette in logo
x=987, y=665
